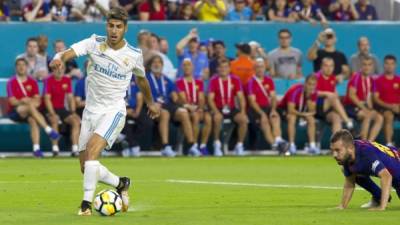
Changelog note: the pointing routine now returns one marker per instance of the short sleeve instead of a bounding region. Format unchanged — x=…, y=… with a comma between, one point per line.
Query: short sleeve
x=238, y=85
x=352, y=82
x=139, y=68
x=69, y=82
x=200, y=85
x=375, y=85
x=344, y=59
x=10, y=92
x=372, y=163
x=79, y=89
x=212, y=88
x=84, y=47
x=46, y=87
x=271, y=85
x=250, y=87
x=179, y=86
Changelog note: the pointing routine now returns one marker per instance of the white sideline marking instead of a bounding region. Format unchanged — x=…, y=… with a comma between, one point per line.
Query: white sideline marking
x=255, y=184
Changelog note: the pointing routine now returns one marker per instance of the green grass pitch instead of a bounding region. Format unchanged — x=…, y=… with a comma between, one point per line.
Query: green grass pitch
x=242, y=191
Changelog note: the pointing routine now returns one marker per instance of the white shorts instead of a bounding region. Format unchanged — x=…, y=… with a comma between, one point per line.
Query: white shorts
x=108, y=125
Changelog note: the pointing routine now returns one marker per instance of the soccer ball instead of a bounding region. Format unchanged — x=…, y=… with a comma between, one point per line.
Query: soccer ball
x=108, y=202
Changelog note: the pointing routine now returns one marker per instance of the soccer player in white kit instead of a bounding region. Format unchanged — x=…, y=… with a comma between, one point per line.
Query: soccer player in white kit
x=112, y=61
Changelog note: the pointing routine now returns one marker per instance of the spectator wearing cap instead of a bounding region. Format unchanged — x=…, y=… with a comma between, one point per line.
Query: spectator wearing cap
x=37, y=65
x=365, y=10
x=343, y=10
x=4, y=11
x=280, y=12
x=210, y=10
x=188, y=47
x=240, y=12
x=285, y=61
x=152, y=10
x=219, y=53
x=316, y=54
x=36, y=11
x=243, y=65
x=364, y=52
x=308, y=11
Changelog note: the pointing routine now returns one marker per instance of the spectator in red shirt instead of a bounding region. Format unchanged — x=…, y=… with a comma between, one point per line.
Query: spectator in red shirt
x=358, y=101
x=262, y=107
x=191, y=96
x=37, y=11
x=387, y=96
x=223, y=91
x=152, y=10
x=329, y=107
x=343, y=10
x=24, y=100
x=58, y=90
x=300, y=102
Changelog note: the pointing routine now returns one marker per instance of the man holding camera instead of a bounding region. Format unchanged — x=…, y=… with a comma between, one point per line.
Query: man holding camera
x=316, y=54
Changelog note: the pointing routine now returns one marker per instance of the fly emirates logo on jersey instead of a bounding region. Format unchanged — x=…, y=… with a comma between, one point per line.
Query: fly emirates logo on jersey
x=110, y=71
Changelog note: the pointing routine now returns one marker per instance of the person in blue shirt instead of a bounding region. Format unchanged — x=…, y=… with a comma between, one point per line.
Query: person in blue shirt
x=138, y=122
x=164, y=93
x=361, y=160
x=188, y=47
x=240, y=12
x=365, y=10
x=80, y=95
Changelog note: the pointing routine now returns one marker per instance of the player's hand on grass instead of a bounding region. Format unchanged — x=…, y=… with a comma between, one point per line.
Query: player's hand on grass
x=154, y=110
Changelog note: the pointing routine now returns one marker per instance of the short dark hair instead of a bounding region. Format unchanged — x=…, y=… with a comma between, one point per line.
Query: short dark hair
x=311, y=77
x=218, y=42
x=58, y=41
x=30, y=40
x=21, y=59
x=118, y=13
x=284, y=31
x=343, y=135
x=390, y=57
x=222, y=61
x=155, y=36
x=367, y=58
x=327, y=58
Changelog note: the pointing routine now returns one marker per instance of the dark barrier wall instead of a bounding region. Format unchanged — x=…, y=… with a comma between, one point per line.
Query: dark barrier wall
x=384, y=36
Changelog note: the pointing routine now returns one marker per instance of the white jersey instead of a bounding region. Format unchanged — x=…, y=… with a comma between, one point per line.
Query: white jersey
x=109, y=73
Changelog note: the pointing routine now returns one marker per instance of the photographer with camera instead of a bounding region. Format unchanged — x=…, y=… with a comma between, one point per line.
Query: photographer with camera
x=316, y=54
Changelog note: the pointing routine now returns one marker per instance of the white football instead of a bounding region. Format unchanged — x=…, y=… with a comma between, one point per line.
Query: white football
x=108, y=202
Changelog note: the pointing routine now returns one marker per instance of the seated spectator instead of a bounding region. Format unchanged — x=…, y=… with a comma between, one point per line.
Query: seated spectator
x=23, y=103
x=4, y=11
x=136, y=111
x=71, y=67
x=240, y=12
x=37, y=65
x=358, y=101
x=90, y=10
x=300, y=102
x=191, y=96
x=210, y=10
x=36, y=11
x=164, y=46
x=186, y=12
x=259, y=10
x=343, y=10
x=168, y=67
x=219, y=53
x=43, y=42
x=285, y=61
x=188, y=47
x=243, y=65
x=152, y=10
x=387, y=97
x=224, y=90
x=131, y=6
x=173, y=9
x=324, y=5
x=329, y=107
x=80, y=96
x=364, y=52
x=57, y=91
x=164, y=92
x=262, y=110
x=316, y=54
x=365, y=10
x=60, y=11
x=308, y=11
x=281, y=12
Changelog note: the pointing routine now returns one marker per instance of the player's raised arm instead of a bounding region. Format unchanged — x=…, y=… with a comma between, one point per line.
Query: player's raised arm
x=348, y=189
x=62, y=57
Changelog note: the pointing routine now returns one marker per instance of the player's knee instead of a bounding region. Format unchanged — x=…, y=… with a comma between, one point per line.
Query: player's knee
x=217, y=118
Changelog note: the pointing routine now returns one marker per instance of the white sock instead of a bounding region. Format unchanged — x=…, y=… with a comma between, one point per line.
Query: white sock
x=239, y=144
x=278, y=139
x=195, y=145
x=106, y=177
x=74, y=148
x=90, y=178
x=313, y=145
x=48, y=129
x=55, y=148
x=203, y=145
x=292, y=144
x=218, y=142
x=36, y=147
